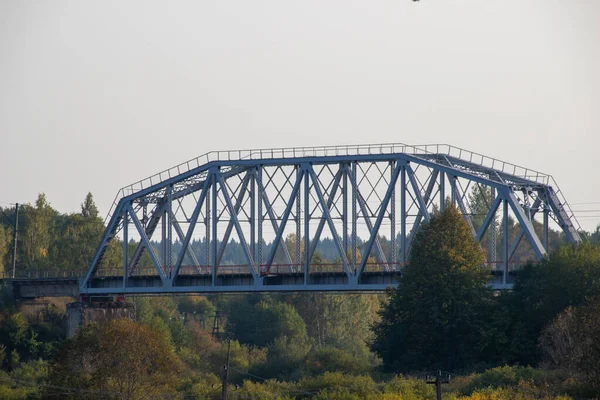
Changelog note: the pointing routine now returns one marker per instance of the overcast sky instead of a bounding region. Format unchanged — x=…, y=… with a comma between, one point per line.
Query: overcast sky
x=96, y=95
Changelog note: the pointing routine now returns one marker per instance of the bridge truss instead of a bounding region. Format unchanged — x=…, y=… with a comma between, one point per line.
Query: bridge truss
x=279, y=205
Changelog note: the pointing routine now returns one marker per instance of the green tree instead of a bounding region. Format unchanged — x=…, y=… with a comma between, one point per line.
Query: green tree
x=4, y=246
x=342, y=321
x=572, y=341
x=434, y=318
x=259, y=324
x=567, y=277
x=38, y=233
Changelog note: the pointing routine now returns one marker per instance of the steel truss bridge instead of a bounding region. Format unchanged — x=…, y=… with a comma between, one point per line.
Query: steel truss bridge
x=278, y=205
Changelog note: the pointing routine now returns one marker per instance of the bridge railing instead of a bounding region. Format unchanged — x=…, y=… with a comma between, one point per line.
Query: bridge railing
x=205, y=270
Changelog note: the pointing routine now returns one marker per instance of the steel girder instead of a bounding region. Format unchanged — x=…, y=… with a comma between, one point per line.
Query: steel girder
x=369, y=205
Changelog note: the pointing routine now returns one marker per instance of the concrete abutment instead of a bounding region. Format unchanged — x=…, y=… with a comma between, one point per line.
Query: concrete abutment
x=82, y=313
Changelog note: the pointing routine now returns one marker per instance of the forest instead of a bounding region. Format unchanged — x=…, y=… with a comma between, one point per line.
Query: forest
x=539, y=341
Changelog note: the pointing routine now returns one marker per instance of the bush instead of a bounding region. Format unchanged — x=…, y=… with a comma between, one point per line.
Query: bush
x=334, y=360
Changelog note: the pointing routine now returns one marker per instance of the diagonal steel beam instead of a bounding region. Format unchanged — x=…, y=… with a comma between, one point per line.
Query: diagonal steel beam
x=422, y=204
x=363, y=208
x=237, y=225
x=322, y=221
x=273, y=219
x=384, y=204
x=146, y=240
x=327, y=215
x=193, y=220
x=181, y=237
x=526, y=224
x=284, y=218
x=238, y=204
x=517, y=240
x=107, y=237
x=461, y=205
x=150, y=228
x=488, y=218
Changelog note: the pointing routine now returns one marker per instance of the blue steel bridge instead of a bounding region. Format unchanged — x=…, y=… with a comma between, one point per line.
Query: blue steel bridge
x=358, y=196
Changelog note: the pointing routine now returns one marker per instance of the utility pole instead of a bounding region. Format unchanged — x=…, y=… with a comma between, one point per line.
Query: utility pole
x=15, y=236
x=216, y=329
x=226, y=372
x=437, y=381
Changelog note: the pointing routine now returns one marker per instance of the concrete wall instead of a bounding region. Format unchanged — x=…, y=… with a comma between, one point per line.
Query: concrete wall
x=81, y=314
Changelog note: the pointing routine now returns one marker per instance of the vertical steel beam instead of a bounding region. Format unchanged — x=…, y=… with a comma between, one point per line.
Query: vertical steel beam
x=393, y=256
x=344, y=169
x=298, y=260
x=169, y=218
x=163, y=237
x=403, y=258
x=207, y=222
x=354, y=216
x=125, y=248
x=442, y=191
x=306, y=227
x=492, y=249
x=452, y=180
x=253, y=215
x=215, y=221
x=545, y=228
x=259, y=201
x=505, y=256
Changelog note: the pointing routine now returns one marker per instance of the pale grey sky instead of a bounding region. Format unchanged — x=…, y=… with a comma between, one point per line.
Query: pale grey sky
x=96, y=95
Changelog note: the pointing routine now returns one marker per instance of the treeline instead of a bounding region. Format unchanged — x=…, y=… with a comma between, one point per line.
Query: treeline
x=50, y=240
x=443, y=316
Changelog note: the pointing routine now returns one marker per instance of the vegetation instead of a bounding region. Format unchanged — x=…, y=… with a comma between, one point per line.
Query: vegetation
x=539, y=341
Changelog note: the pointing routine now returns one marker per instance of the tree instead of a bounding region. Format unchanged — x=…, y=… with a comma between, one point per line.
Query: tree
x=259, y=324
x=121, y=359
x=89, y=211
x=435, y=318
x=4, y=246
x=567, y=277
x=342, y=321
x=38, y=233
x=572, y=341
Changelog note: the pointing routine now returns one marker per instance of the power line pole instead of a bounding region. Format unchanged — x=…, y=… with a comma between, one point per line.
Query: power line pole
x=437, y=381
x=226, y=372
x=15, y=236
x=216, y=329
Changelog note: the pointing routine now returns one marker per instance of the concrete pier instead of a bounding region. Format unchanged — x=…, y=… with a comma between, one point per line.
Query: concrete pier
x=81, y=314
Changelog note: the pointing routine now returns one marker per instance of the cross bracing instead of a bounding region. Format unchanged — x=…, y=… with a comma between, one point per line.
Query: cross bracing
x=277, y=207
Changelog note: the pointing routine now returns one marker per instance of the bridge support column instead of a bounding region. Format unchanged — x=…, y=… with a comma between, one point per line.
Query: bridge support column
x=81, y=314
